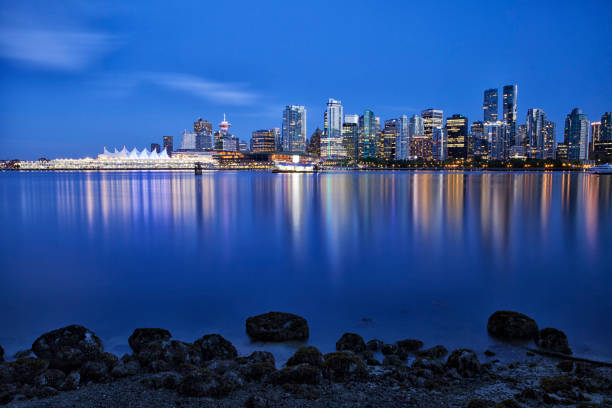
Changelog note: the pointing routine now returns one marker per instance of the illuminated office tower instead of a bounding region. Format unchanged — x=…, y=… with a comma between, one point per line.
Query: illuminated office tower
x=550, y=140
x=606, y=127
x=367, y=135
x=602, y=147
x=439, y=144
x=432, y=118
x=577, y=135
x=278, y=141
x=331, y=142
x=204, y=134
x=350, y=139
x=457, y=137
x=263, y=141
x=498, y=140
x=521, y=136
x=294, y=128
x=489, y=105
x=155, y=147
x=402, y=140
x=351, y=118
x=480, y=145
x=509, y=111
x=386, y=149
x=168, y=144
x=415, y=127
x=188, y=140
x=536, y=119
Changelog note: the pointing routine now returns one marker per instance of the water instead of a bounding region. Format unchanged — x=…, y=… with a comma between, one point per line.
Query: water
x=390, y=255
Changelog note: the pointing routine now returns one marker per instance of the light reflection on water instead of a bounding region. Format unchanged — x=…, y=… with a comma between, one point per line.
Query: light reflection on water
x=423, y=254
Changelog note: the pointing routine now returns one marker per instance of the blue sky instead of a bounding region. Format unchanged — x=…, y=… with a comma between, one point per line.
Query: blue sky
x=79, y=75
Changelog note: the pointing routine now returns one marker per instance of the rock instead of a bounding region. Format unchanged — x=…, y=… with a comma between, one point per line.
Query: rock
x=68, y=347
x=71, y=382
x=257, y=371
x=433, y=353
x=24, y=353
x=256, y=401
x=149, y=343
x=392, y=360
x=7, y=393
x=489, y=353
x=374, y=345
x=341, y=366
x=309, y=355
x=465, y=361
x=368, y=357
x=178, y=352
x=215, y=347
x=528, y=394
x=167, y=379
x=299, y=374
x=409, y=345
x=565, y=365
x=1, y=355
x=125, y=369
x=277, y=326
x=45, y=392
x=480, y=403
x=27, y=369
x=221, y=367
x=159, y=366
x=303, y=391
x=389, y=349
x=7, y=373
x=258, y=357
x=352, y=342
x=509, y=403
x=509, y=325
x=554, y=340
x=53, y=378
x=202, y=383
x=425, y=367
x=96, y=371
x=560, y=383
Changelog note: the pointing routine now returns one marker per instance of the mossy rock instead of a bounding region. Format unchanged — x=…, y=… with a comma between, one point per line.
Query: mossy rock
x=215, y=347
x=300, y=374
x=27, y=369
x=465, y=361
x=69, y=347
x=341, y=367
x=351, y=342
x=433, y=353
x=142, y=338
x=410, y=345
x=374, y=345
x=309, y=355
x=277, y=327
x=257, y=371
x=509, y=325
x=553, y=339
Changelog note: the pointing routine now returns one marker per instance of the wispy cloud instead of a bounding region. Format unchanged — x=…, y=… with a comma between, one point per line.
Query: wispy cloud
x=62, y=50
x=219, y=92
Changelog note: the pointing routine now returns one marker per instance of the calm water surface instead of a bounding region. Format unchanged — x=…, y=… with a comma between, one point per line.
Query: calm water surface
x=386, y=254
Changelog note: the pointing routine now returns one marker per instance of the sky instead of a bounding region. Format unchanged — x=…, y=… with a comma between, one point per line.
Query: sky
x=79, y=75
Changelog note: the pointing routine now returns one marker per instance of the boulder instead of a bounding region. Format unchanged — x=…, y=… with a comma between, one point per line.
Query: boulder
x=465, y=361
x=389, y=349
x=125, y=369
x=409, y=345
x=433, y=353
x=392, y=360
x=553, y=339
x=215, y=347
x=24, y=353
x=72, y=381
x=25, y=370
x=68, y=347
x=368, y=357
x=351, y=342
x=277, y=326
x=1, y=354
x=203, y=383
x=308, y=355
x=427, y=367
x=96, y=371
x=179, y=352
x=341, y=366
x=7, y=373
x=489, y=353
x=149, y=343
x=299, y=374
x=7, y=392
x=52, y=378
x=509, y=325
x=167, y=379
x=258, y=357
x=256, y=371
x=374, y=345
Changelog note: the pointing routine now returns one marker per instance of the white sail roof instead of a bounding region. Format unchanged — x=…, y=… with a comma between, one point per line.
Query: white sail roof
x=134, y=154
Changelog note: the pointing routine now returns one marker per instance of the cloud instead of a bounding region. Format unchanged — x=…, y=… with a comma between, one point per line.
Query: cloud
x=61, y=50
x=222, y=93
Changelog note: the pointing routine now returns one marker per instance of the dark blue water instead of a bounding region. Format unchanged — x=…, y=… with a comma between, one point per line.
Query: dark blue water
x=417, y=254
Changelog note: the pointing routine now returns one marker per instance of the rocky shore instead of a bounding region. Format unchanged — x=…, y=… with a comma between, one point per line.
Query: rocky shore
x=68, y=367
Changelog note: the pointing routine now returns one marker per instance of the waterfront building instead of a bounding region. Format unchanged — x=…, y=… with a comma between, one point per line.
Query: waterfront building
x=278, y=141
x=562, y=152
x=314, y=146
x=457, y=137
x=218, y=140
x=421, y=147
x=595, y=137
x=497, y=136
x=550, y=140
x=294, y=129
x=536, y=119
x=351, y=118
x=155, y=147
x=263, y=141
x=402, y=140
x=602, y=148
x=510, y=111
x=521, y=135
x=243, y=147
x=416, y=127
x=331, y=143
x=489, y=105
x=350, y=139
x=200, y=126
x=606, y=127
x=432, y=118
x=230, y=144
x=439, y=144
x=188, y=140
x=168, y=144
x=204, y=134
x=367, y=136
x=386, y=149
x=478, y=146
x=576, y=135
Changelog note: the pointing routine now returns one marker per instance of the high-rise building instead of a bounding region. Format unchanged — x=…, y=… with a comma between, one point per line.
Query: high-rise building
x=577, y=135
x=351, y=118
x=416, y=127
x=294, y=128
x=202, y=125
x=602, y=148
x=509, y=111
x=367, y=136
x=479, y=143
x=263, y=141
x=521, y=136
x=457, y=137
x=402, y=140
x=242, y=146
x=350, y=139
x=432, y=118
x=278, y=141
x=188, y=140
x=606, y=127
x=595, y=132
x=421, y=147
x=331, y=142
x=386, y=149
x=498, y=140
x=204, y=134
x=536, y=120
x=155, y=147
x=489, y=105
x=550, y=140
x=168, y=144
x=439, y=144
x=314, y=145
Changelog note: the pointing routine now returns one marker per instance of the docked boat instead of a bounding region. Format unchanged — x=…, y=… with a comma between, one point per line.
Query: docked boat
x=601, y=169
x=280, y=167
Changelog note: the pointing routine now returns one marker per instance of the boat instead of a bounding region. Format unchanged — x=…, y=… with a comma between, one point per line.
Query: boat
x=601, y=169
x=280, y=167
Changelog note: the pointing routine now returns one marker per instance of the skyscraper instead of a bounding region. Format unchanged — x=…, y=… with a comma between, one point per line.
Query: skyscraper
x=350, y=139
x=576, y=135
x=188, y=140
x=278, y=141
x=204, y=134
x=331, y=142
x=439, y=144
x=536, y=120
x=456, y=136
x=263, y=141
x=480, y=145
x=386, y=149
x=509, y=110
x=602, y=148
x=367, y=136
x=497, y=135
x=314, y=145
x=294, y=128
x=351, y=118
x=415, y=127
x=168, y=144
x=402, y=140
x=431, y=118
x=606, y=127
x=155, y=147
x=550, y=140
x=489, y=105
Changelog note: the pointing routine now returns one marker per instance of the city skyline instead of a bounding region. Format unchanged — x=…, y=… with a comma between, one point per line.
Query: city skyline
x=108, y=74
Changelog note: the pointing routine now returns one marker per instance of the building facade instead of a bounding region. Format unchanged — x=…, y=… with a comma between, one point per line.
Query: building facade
x=294, y=129
x=350, y=139
x=432, y=118
x=577, y=135
x=510, y=111
x=457, y=137
x=550, y=140
x=168, y=142
x=489, y=105
x=386, y=148
x=402, y=140
x=332, y=143
x=367, y=135
x=263, y=141
x=536, y=120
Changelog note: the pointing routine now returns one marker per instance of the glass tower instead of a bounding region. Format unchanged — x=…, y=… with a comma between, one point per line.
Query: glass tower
x=294, y=128
x=367, y=136
x=489, y=105
x=509, y=110
x=331, y=142
x=577, y=135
